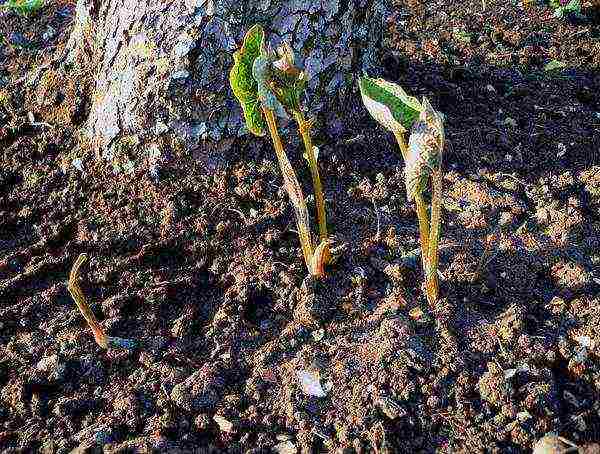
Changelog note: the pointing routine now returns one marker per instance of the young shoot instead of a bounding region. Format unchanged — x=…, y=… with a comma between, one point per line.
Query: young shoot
x=100, y=336
x=389, y=104
x=566, y=8
x=23, y=7
x=269, y=85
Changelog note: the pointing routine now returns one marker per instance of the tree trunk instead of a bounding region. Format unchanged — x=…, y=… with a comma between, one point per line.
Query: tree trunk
x=159, y=70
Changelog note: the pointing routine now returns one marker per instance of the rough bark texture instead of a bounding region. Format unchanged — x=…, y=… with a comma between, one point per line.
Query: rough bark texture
x=161, y=68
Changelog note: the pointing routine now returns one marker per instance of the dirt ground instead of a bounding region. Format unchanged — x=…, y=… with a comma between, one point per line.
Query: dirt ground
x=205, y=271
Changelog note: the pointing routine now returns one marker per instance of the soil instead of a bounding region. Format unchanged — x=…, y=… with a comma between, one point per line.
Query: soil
x=205, y=272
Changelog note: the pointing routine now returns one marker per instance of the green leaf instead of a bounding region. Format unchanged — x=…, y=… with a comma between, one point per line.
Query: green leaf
x=555, y=65
x=244, y=87
x=23, y=7
x=389, y=104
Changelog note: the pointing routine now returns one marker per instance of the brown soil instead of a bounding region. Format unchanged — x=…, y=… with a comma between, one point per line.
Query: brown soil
x=205, y=271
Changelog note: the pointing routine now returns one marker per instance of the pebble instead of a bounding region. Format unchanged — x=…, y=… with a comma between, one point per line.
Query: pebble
x=285, y=447
x=49, y=34
x=391, y=408
x=53, y=368
x=78, y=164
x=224, y=424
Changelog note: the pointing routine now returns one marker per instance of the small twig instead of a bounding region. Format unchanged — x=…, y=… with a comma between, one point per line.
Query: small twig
x=378, y=234
x=34, y=123
x=485, y=261
x=293, y=189
x=518, y=180
x=240, y=213
x=100, y=336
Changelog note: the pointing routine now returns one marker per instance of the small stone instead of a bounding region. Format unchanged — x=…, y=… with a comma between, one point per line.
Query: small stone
x=48, y=447
x=224, y=424
x=318, y=334
x=160, y=128
x=310, y=384
x=180, y=75
x=549, y=444
x=285, y=447
x=505, y=218
x=182, y=326
x=183, y=46
x=78, y=164
x=53, y=368
x=493, y=386
x=202, y=421
x=391, y=408
x=49, y=34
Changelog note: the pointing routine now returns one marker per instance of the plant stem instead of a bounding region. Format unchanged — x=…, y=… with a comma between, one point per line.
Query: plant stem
x=402, y=144
x=100, y=336
x=434, y=238
x=423, y=232
x=304, y=127
x=293, y=189
x=421, y=210
x=82, y=304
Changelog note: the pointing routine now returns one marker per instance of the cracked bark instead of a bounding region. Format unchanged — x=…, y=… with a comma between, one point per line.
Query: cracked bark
x=160, y=69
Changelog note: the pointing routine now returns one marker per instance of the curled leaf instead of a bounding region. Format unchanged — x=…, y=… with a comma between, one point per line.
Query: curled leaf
x=389, y=104
x=261, y=70
x=425, y=148
x=243, y=84
x=286, y=59
x=288, y=82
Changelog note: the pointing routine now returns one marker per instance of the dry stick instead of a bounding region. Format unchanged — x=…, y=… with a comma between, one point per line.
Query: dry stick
x=304, y=128
x=434, y=237
x=100, y=336
x=294, y=191
x=421, y=211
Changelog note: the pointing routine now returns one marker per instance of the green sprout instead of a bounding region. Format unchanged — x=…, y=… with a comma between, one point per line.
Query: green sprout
x=23, y=7
x=566, y=8
x=269, y=85
x=389, y=104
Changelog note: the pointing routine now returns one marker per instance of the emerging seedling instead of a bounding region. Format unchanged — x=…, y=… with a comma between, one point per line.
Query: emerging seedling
x=100, y=336
x=23, y=7
x=566, y=8
x=268, y=85
x=389, y=104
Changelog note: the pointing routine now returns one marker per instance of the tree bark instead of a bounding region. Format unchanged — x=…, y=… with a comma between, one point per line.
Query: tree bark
x=159, y=69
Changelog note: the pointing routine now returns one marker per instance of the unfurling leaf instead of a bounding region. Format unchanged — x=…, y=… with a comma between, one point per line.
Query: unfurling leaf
x=261, y=71
x=425, y=148
x=243, y=84
x=286, y=59
x=288, y=82
x=389, y=104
